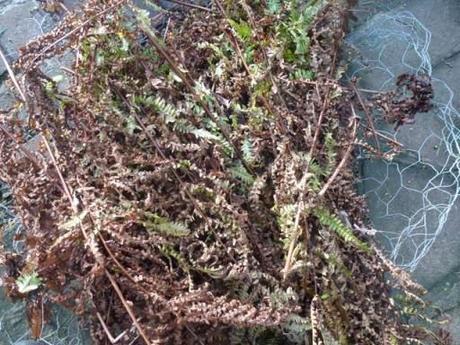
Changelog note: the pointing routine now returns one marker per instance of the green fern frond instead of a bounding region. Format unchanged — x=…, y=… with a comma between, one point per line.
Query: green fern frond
x=183, y=126
x=314, y=181
x=286, y=220
x=273, y=6
x=248, y=151
x=239, y=172
x=171, y=253
x=332, y=222
x=302, y=74
x=310, y=12
x=242, y=29
x=164, y=226
x=331, y=153
x=289, y=233
x=166, y=110
x=28, y=282
x=214, y=137
x=295, y=328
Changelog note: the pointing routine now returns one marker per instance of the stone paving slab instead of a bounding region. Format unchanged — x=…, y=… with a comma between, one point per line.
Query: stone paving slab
x=439, y=271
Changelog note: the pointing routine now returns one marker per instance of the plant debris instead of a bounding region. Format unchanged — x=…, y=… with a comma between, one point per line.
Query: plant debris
x=413, y=94
x=191, y=189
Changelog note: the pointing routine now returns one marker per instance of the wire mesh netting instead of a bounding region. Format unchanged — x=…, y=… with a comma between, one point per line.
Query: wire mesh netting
x=64, y=328
x=410, y=196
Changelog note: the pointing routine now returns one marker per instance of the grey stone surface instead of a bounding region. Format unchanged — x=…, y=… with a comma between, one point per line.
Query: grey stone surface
x=393, y=189
x=20, y=22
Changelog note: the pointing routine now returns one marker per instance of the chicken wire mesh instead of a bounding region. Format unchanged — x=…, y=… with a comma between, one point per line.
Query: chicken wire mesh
x=410, y=196
x=64, y=328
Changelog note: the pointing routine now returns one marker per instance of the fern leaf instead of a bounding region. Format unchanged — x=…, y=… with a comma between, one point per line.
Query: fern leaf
x=314, y=180
x=242, y=29
x=28, y=282
x=302, y=44
x=332, y=222
x=286, y=223
x=302, y=74
x=248, y=151
x=331, y=153
x=273, y=6
x=168, y=112
x=217, y=138
x=74, y=221
x=156, y=223
x=239, y=172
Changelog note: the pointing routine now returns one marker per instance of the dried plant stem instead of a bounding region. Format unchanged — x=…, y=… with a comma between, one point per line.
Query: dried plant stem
x=61, y=177
x=115, y=260
x=191, y=5
x=79, y=27
x=391, y=140
x=127, y=307
x=302, y=184
x=12, y=76
x=342, y=163
x=97, y=257
x=368, y=115
x=107, y=331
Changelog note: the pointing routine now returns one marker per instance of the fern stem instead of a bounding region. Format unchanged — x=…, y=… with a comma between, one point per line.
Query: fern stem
x=191, y=5
x=342, y=162
x=303, y=183
x=292, y=244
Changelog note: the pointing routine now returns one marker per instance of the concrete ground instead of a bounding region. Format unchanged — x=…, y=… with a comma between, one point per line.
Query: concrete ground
x=428, y=178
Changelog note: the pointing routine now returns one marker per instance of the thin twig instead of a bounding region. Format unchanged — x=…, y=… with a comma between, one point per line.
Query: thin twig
x=66, y=69
x=115, y=260
x=302, y=184
x=391, y=140
x=21, y=148
x=166, y=28
x=342, y=162
x=107, y=331
x=79, y=27
x=370, y=91
x=368, y=115
x=13, y=78
x=127, y=307
x=191, y=5
x=61, y=177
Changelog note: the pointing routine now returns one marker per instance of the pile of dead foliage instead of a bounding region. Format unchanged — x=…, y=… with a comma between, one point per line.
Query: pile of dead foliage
x=193, y=185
